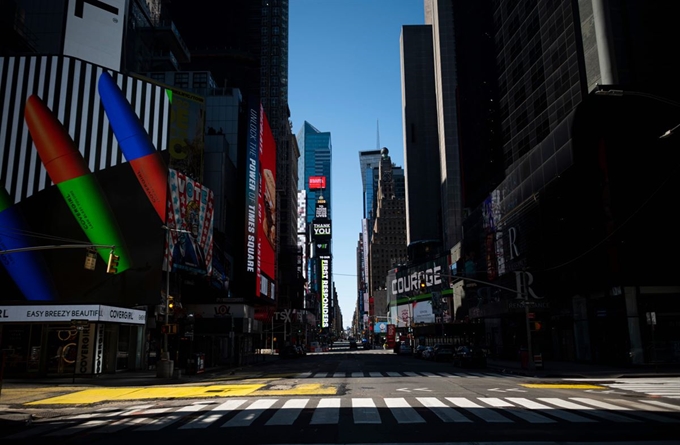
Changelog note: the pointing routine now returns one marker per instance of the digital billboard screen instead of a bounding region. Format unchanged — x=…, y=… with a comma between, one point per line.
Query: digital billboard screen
x=80, y=166
x=267, y=214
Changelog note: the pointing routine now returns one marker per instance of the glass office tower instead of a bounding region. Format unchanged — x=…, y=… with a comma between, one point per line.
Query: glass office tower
x=315, y=160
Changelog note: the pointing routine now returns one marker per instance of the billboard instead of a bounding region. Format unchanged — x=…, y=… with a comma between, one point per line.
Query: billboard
x=187, y=130
x=317, y=182
x=325, y=289
x=80, y=166
x=266, y=239
x=252, y=272
x=94, y=31
x=189, y=243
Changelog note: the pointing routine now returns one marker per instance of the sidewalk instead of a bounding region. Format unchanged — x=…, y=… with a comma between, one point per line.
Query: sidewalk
x=138, y=378
x=559, y=369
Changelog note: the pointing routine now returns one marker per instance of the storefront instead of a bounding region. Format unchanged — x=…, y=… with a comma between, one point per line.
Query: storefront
x=77, y=340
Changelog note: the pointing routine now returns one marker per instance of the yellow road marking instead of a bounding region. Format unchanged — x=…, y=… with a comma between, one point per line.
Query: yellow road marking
x=297, y=390
x=561, y=386
x=140, y=393
x=89, y=396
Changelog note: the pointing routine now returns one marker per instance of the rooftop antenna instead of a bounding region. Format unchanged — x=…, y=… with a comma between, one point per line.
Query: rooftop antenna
x=377, y=146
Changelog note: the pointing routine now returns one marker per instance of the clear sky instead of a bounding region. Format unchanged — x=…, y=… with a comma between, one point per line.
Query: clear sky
x=344, y=77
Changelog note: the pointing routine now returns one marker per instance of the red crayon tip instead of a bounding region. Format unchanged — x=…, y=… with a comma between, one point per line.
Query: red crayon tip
x=56, y=149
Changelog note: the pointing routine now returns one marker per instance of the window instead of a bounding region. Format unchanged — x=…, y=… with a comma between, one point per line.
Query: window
x=542, y=130
x=540, y=104
x=520, y=95
x=537, y=77
x=182, y=80
x=200, y=80
x=517, y=72
x=521, y=120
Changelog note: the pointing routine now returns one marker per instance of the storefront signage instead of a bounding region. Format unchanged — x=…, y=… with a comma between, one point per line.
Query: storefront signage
x=54, y=314
x=99, y=349
x=84, y=362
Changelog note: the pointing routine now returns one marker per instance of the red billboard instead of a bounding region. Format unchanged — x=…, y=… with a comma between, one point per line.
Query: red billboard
x=317, y=182
x=267, y=213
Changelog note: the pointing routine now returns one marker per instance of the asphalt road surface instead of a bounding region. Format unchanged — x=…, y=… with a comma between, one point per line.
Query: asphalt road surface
x=363, y=396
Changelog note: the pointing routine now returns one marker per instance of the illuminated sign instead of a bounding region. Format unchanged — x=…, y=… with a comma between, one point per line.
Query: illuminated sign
x=317, y=182
x=252, y=194
x=322, y=229
x=411, y=282
x=94, y=31
x=321, y=210
x=325, y=264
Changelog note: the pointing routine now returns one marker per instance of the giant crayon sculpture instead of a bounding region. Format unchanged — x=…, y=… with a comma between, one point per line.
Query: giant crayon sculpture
x=79, y=187
x=27, y=269
x=134, y=142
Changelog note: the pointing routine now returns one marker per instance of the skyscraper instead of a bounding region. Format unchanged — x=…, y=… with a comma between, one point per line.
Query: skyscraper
x=315, y=160
x=388, y=240
x=439, y=14
x=569, y=216
x=369, y=161
x=421, y=141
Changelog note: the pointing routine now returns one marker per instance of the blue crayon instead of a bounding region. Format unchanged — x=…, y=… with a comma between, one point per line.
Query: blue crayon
x=28, y=269
x=134, y=142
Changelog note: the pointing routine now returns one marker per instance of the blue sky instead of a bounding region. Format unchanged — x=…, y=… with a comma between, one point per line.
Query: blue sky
x=344, y=77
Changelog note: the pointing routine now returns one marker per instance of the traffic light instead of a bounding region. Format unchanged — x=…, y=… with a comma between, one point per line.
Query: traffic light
x=423, y=285
x=535, y=325
x=171, y=305
x=112, y=266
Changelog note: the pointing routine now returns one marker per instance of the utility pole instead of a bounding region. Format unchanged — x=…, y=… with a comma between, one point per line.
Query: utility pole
x=530, y=362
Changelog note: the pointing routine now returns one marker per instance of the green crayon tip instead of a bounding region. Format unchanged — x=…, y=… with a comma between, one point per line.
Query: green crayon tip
x=5, y=200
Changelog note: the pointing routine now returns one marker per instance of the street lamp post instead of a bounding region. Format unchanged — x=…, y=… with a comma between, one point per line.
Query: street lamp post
x=165, y=367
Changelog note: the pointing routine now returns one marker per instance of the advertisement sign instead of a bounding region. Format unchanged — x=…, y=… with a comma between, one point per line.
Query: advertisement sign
x=186, y=147
x=79, y=164
x=266, y=239
x=190, y=219
x=94, y=31
x=325, y=274
x=434, y=274
x=391, y=334
x=321, y=208
x=252, y=271
x=65, y=314
x=317, y=182
x=321, y=229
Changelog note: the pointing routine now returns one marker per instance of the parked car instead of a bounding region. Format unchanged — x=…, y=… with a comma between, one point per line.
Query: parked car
x=405, y=349
x=418, y=352
x=428, y=353
x=443, y=353
x=467, y=356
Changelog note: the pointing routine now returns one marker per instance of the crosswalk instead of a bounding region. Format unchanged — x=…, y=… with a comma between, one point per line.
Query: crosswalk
x=360, y=374
x=272, y=412
x=667, y=387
